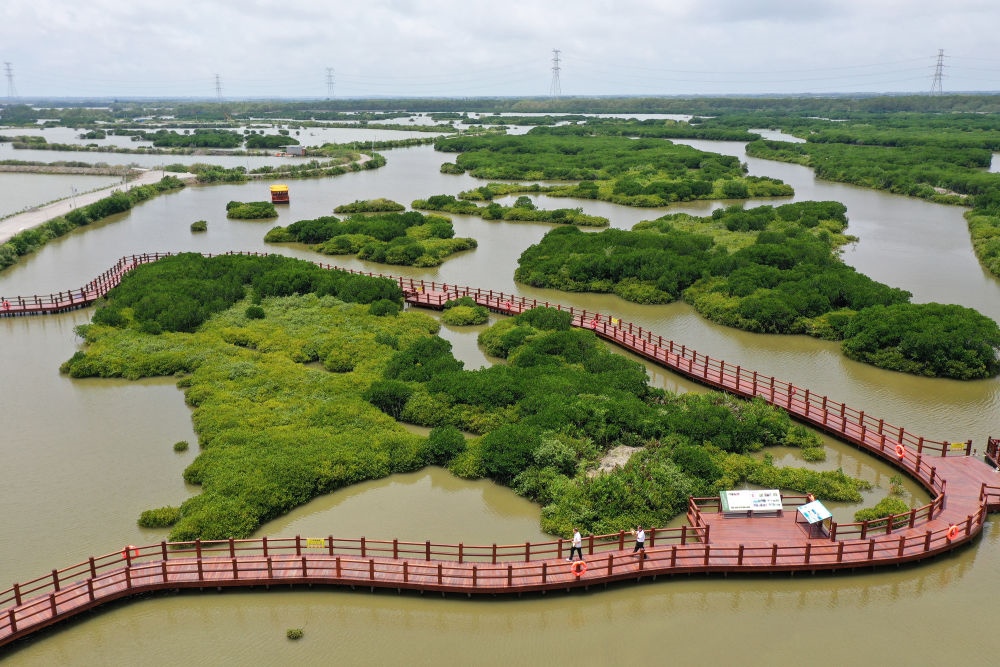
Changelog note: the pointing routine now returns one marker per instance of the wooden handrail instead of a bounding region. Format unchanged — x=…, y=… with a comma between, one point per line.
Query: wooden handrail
x=281, y=560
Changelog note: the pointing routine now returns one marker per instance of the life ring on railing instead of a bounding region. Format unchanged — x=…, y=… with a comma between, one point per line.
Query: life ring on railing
x=578, y=568
x=952, y=532
x=130, y=550
x=900, y=451
x=810, y=498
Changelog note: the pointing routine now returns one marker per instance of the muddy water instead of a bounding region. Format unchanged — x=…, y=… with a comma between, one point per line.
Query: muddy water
x=81, y=459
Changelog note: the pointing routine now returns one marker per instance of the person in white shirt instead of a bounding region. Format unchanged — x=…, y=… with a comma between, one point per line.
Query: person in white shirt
x=640, y=542
x=577, y=545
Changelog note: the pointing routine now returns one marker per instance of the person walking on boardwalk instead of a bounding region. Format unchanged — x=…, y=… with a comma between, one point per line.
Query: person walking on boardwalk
x=640, y=542
x=577, y=546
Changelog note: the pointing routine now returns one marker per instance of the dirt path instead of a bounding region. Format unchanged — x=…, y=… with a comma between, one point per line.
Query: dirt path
x=36, y=216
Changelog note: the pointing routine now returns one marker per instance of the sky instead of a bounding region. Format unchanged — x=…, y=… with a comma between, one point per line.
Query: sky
x=250, y=49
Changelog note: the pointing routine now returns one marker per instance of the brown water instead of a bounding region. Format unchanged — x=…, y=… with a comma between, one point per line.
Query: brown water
x=81, y=459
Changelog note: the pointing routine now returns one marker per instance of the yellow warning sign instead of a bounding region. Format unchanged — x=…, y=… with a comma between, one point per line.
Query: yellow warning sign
x=315, y=543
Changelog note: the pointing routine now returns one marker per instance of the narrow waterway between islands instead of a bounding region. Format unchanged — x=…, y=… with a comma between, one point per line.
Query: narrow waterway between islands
x=83, y=458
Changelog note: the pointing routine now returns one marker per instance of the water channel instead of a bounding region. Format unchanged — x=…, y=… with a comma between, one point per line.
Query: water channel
x=81, y=459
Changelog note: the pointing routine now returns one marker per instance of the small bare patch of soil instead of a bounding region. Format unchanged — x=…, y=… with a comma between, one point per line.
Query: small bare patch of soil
x=615, y=458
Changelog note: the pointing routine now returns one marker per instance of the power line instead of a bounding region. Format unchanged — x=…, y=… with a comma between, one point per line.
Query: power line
x=11, y=90
x=938, y=74
x=555, y=90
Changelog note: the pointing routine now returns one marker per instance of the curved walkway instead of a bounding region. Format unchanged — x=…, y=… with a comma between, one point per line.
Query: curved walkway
x=41, y=214
x=963, y=489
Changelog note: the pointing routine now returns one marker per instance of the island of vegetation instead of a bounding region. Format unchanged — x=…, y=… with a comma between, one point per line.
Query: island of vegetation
x=307, y=395
x=408, y=239
x=523, y=210
x=380, y=205
x=632, y=172
x=770, y=270
x=251, y=210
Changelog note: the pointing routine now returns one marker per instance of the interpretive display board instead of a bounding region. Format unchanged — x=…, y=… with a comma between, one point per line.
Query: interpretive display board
x=751, y=501
x=816, y=515
x=814, y=512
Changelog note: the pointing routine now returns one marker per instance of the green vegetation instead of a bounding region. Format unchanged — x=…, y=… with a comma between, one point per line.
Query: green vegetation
x=270, y=141
x=769, y=270
x=632, y=172
x=181, y=446
x=380, y=205
x=30, y=240
x=294, y=633
x=938, y=157
x=276, y=430
x=563, y=401
x=410, y=239
x=196, y=139
x=163, y=517
x=523, y=210
x=199, y=226
x=888, y=506
x=464, y=312
x=926, y=339
x=254, y=210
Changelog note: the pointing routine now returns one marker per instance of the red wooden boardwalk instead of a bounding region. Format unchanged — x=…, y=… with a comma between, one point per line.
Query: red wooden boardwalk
x=963, y=490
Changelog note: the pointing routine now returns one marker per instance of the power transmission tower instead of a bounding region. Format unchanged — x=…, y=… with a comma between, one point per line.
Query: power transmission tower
x=11, y=90
x=329, y=82
x=555, y=90
x=218, y=88
x=938, y=74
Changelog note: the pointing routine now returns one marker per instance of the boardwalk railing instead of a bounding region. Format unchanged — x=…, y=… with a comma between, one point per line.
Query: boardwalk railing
x=27, y=607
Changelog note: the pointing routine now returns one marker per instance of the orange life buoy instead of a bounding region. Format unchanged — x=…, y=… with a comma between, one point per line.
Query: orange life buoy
x=579, y=568
x=130, y=549
x=810, y=497
x=952, y=532
x=900, y=451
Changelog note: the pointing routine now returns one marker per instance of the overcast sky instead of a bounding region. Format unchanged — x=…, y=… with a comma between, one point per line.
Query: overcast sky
x=473, y=48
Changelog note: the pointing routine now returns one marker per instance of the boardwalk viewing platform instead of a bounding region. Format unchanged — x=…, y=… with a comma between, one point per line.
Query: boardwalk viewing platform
x=962, y=488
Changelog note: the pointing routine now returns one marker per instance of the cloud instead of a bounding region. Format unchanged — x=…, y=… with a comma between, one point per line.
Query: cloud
x=272, y=48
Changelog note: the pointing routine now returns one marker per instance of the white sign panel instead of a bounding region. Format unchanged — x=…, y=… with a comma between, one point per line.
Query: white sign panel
x=753, y=500
x=814, y=512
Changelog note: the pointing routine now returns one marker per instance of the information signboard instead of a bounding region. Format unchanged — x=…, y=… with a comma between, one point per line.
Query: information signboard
x=751, y=500
x=814, y=512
